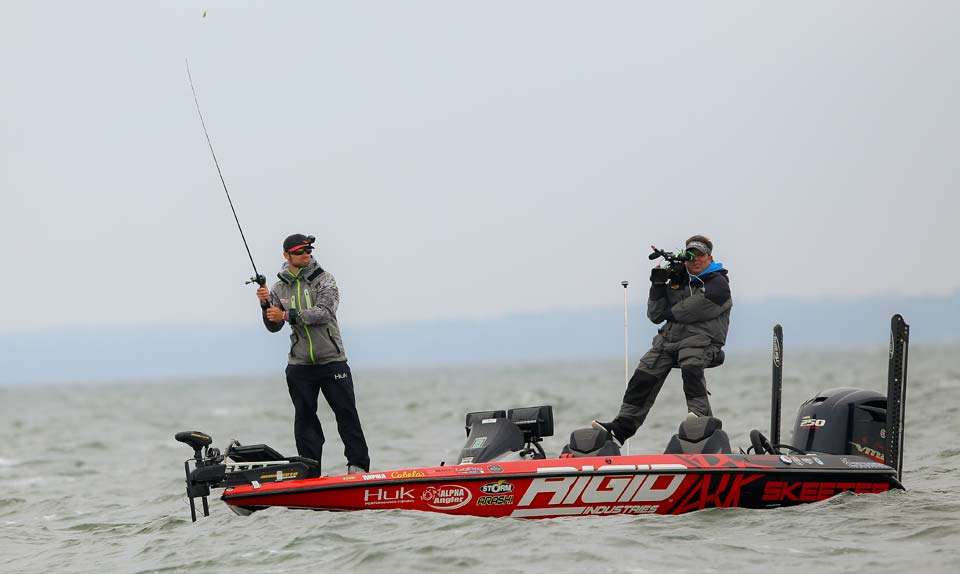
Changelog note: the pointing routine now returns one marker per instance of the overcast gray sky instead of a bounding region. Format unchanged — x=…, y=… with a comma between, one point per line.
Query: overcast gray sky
x=470, y=159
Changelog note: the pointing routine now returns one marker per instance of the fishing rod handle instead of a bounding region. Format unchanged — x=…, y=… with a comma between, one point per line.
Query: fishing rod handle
x=261, y=281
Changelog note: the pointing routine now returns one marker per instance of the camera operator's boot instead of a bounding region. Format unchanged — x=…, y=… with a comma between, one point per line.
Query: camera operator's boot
x=611, y=428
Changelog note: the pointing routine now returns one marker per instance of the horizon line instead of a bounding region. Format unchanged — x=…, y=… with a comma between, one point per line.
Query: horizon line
x=954, y=292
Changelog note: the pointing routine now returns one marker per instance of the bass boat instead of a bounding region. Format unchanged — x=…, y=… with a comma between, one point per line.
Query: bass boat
x=844, y=440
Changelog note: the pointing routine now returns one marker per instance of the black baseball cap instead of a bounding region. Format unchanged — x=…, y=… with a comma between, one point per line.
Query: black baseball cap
x=297, y=240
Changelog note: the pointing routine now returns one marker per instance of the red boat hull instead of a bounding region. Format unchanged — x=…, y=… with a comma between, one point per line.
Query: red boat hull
x=643, y=484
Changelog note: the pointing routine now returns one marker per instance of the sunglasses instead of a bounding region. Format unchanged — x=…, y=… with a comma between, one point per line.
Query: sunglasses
x=301, y=251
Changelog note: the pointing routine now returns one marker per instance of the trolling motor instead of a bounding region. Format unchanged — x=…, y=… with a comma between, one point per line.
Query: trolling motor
x=238, y=464
x=199, y=486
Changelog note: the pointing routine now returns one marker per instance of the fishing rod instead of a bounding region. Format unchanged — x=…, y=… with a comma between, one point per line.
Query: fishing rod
x=257, y=277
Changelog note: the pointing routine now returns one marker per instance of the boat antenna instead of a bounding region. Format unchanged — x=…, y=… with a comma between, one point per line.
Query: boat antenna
x=626, y=347
x=257, y=277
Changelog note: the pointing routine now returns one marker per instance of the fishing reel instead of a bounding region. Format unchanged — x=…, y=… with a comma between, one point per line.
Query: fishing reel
x=258, y=279
x=262, y=282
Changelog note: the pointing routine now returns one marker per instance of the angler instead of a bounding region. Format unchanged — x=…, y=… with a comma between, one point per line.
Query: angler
x=306, y=297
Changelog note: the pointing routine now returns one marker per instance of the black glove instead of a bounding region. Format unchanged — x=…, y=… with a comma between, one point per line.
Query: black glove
x=659, y=276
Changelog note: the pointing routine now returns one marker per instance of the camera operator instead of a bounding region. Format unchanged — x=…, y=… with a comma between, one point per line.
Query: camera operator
x=693, y=297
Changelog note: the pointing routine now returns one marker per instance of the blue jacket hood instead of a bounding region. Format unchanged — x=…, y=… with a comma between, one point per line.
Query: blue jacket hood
x=712, y=268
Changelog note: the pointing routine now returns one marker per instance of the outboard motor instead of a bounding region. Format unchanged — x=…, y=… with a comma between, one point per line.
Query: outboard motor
x=699, y=435
x=846, y=420
x=495, y=435
x=590, y=442
x=843, y=421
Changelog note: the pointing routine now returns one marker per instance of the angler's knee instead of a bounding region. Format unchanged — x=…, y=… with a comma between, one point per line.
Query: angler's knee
x=694, y=383
x=641, y=383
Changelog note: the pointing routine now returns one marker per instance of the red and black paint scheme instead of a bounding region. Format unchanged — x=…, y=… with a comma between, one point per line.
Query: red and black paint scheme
x=642, y=484
x=503, y=472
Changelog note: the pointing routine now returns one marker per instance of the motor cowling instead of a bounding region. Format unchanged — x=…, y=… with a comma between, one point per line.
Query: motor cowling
x=843, y=421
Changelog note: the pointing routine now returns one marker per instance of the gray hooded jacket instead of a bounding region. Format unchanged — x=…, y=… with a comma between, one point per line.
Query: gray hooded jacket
x=697, y=318
x=310, y=298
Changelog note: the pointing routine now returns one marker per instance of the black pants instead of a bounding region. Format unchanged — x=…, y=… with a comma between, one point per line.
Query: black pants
x=646, y=382
x=305, y=383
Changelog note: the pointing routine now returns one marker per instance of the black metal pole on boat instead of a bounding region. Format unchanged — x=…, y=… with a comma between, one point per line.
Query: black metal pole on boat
x=257, y=277
x=896, y=393
x=777, y=390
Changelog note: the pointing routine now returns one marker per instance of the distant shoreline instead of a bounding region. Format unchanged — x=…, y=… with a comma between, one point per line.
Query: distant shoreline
x=171, y=351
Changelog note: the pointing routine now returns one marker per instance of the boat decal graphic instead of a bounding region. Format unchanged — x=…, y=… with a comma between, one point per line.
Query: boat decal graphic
x=446, y=497
x=388, y=495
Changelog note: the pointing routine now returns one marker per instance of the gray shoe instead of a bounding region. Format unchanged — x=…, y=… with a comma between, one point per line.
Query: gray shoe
x=354, y=469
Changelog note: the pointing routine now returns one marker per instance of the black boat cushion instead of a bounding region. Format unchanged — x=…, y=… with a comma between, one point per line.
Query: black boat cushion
x=717, y=443
x=695, y=429
x=588, y=440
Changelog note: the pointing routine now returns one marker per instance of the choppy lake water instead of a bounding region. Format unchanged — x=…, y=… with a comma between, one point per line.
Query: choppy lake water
x=91, y=479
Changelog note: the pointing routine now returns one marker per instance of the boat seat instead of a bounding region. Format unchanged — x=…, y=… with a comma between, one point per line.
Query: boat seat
x=590, y=442
x=699, y=435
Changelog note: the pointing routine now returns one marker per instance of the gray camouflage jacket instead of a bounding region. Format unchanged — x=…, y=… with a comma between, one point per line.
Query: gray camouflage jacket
x=310, y=298
x=697, y=317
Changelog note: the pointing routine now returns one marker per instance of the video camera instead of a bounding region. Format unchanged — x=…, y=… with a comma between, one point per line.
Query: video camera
x=674, y=268
x=679, y=256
